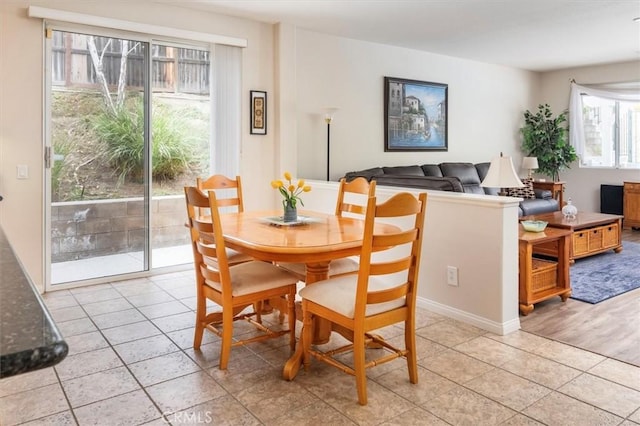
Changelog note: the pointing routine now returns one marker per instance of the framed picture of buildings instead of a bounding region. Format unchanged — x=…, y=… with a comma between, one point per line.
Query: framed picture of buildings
x=258, y=112
x=415, y=115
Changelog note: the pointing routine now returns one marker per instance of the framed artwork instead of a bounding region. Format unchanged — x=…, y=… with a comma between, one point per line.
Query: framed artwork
x=258, y=112
x=415, y=115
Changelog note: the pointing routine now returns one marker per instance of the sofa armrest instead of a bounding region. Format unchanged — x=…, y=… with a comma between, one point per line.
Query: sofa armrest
x=543, y=194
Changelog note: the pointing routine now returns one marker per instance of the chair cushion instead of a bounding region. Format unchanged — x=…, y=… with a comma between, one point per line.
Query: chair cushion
x=525, y=192
x=339, y=295
x=255, y=276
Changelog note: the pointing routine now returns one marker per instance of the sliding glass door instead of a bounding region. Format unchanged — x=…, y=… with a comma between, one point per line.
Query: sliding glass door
x=127, y=128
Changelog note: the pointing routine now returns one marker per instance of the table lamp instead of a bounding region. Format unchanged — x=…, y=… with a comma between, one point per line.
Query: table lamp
x=530, y=163
x=502, y=175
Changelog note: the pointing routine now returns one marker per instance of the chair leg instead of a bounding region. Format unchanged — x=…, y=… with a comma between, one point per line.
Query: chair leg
x=358, y=364
x=291, y=311
x=227, y=335
x=306, y=336
x=201, y=313
x=257, y=308
x=410, y=344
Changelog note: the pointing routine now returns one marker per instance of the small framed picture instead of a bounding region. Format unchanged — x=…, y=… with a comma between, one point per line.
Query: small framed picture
x=415, y=115
x=258, y=112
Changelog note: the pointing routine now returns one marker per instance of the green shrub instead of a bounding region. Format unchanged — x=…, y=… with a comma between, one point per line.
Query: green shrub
x=174, y=148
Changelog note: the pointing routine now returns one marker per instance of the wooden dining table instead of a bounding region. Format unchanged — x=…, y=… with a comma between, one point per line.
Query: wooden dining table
x=316, y=240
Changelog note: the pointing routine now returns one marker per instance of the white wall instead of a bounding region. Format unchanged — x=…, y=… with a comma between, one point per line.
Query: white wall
x=583, y=184
x=478, y=235
x=485, y=108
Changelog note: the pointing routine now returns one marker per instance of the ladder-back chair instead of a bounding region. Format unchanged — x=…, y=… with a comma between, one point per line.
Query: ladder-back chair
x=381, y=294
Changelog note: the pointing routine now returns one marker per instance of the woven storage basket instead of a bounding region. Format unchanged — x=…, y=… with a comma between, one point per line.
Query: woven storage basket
x=544, y=275
x=580, y=243
x=610, y=235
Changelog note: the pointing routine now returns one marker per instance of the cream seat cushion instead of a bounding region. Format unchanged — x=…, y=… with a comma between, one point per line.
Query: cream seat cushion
x=339, y=295
x=254, y=276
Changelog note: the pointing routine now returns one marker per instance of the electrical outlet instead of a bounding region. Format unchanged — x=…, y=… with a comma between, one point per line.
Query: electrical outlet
x=452, y=275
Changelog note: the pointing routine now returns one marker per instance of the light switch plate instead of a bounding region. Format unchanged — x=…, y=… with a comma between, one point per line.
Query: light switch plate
x=22, y=171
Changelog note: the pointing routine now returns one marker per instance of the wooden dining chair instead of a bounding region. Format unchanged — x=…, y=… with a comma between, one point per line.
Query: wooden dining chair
x=224, y=188
x=349, y=193
x=373, y=298
x=235, y=287
x=229, y=196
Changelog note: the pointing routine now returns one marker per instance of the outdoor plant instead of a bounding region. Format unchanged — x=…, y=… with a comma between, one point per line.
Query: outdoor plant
x=545, y=137
x=290, y=192
x=174, y=149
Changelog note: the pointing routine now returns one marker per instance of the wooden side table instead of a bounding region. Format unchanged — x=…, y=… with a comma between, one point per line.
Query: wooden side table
x=541, y=279
x=631, y=204
x=556, y=188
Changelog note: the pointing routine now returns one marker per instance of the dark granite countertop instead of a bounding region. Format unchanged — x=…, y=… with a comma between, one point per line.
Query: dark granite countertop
x=29, y=338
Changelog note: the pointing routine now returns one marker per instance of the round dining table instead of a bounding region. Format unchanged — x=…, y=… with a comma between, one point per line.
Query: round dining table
x=315, y=239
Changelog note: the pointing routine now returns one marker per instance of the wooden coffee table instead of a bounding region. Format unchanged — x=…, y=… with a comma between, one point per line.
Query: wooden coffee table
x=591, y=233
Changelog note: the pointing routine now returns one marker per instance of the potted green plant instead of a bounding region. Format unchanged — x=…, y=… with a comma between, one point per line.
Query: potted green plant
x=545, y=137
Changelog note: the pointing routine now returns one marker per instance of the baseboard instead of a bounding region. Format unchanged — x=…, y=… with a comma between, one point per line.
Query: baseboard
x=483, y=323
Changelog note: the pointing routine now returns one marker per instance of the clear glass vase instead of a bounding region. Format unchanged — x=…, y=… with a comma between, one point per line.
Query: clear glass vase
x=290, y=213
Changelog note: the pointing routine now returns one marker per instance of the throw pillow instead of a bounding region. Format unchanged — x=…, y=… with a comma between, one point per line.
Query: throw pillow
x=525, y=192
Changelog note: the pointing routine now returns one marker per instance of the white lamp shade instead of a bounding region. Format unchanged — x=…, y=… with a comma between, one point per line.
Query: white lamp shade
x=330, y=112
x=501, y=174
x=530, y=163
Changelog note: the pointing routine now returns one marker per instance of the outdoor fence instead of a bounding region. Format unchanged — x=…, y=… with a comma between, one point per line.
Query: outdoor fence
x=174, y=69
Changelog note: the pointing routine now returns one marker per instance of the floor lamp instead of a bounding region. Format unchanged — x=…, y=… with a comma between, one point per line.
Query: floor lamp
x=328, y=117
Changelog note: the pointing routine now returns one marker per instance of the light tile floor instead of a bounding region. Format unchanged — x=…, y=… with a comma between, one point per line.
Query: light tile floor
x=131, y=363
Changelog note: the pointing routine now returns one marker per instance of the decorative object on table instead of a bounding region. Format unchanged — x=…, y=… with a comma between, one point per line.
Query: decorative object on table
x=328, y=118
x=258, y=112
x=602, y=277
x=291, y=194
x=569, y=210
x=530, y=163
x=502, y=175
x=534, y=225
x=415, y=115
x=545, y=137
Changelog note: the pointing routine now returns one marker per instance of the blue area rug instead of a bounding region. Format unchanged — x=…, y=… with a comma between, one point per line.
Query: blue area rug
x=603, y=276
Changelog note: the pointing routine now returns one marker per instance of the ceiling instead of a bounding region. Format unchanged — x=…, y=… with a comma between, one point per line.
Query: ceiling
x=537, y=35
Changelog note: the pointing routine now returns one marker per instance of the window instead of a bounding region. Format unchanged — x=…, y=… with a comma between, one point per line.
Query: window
x=605, y=124
x=611, y=132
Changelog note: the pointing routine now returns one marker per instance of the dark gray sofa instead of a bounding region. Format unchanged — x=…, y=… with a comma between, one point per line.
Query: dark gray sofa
x=455, y=177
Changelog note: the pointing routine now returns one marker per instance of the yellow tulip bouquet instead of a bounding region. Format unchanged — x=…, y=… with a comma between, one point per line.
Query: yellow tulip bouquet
x=290, y=192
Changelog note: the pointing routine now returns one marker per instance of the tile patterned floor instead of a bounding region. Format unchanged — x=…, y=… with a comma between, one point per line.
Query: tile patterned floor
x=131, y=363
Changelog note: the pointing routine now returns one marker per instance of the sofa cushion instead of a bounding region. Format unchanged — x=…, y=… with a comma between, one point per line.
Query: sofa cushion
x=431, y=170
x=367, y=174
x=403, y=170
x=482, y=169
x=467, y=174
x=525, y=192
x=452, y=184
x=538, y=206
